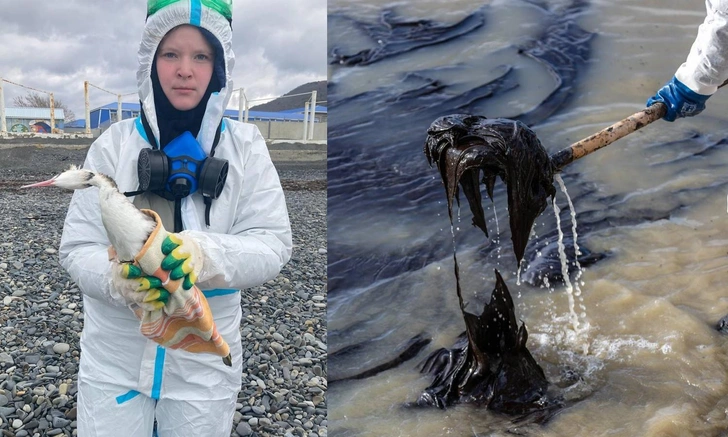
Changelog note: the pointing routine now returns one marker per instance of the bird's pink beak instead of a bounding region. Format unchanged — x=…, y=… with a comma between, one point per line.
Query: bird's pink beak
x=48, y=183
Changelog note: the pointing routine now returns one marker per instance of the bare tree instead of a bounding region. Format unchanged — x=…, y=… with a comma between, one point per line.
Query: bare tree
x=37, y=100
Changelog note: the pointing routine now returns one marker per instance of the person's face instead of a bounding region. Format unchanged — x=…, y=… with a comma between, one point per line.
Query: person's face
x=185, y=62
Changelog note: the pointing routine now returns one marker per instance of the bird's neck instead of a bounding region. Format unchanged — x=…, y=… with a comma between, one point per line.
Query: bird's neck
x=103, y=182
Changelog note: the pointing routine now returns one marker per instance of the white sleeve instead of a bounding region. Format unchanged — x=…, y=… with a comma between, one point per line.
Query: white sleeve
x=259, y=243
x=83, y=249
x=707, y=64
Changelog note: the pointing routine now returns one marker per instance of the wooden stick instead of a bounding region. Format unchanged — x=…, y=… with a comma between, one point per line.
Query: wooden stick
x=608, y=135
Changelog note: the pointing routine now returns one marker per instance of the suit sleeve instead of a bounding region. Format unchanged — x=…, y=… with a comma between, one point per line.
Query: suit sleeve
x=707, y=64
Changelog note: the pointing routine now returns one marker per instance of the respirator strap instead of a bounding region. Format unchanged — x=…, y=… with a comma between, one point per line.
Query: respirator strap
x=217, y=138
x=133, y=193
x=178, y=227
x=208, y=200
x=148, y=129
x=208, y=205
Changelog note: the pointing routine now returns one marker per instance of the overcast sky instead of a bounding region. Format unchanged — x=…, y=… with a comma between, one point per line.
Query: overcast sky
x=56, y=45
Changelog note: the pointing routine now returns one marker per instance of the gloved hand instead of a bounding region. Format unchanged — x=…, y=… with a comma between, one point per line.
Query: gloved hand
x=680, y=100
x=138, y=289
x=183, y=258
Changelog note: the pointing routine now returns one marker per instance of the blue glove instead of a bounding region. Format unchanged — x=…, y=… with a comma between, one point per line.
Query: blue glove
x=680, y=100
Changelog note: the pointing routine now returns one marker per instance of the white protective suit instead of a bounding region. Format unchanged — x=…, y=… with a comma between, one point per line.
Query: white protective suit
x=707, y=64
x=125, y=380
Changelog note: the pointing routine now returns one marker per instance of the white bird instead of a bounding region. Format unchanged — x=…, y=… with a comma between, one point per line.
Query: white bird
x=126, y=226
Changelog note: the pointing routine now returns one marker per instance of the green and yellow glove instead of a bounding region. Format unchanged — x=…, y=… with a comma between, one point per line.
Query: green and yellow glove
x=183, y=259
x=139, y=289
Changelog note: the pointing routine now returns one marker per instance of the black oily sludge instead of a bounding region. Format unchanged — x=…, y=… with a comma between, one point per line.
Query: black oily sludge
x=464, y=146
x=489, y=365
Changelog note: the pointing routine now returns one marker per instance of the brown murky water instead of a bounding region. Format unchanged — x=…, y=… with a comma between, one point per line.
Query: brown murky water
x=654, y=203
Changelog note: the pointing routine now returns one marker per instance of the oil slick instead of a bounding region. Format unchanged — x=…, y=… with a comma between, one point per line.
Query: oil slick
x=395, y=35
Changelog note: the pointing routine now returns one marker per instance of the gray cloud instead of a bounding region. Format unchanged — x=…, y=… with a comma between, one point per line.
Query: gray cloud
x=55, y=46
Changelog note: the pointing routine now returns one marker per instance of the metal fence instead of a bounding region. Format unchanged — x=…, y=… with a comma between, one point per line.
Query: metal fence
x=309, y=125
x=3, y=119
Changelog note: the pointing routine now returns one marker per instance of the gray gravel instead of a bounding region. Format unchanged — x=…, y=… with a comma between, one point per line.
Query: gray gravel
x=41, y=311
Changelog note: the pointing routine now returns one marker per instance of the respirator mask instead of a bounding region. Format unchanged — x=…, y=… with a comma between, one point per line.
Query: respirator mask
x=181, y=169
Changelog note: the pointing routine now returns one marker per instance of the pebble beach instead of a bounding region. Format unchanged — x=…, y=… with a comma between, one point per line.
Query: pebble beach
x=284, y=378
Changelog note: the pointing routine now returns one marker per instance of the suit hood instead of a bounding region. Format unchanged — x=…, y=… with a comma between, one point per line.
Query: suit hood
x=214, y=16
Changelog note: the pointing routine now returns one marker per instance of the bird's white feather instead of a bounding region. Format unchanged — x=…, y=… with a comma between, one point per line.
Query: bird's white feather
x=127, y=227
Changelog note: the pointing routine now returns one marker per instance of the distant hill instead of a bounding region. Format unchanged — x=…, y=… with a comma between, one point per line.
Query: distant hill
x=284, y=103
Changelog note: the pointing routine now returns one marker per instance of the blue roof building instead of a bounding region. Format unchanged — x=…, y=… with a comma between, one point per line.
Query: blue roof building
x=103, y=116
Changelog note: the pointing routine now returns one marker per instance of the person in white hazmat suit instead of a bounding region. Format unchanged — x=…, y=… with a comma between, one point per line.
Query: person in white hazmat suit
x=240, y=234
x=704, y=70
